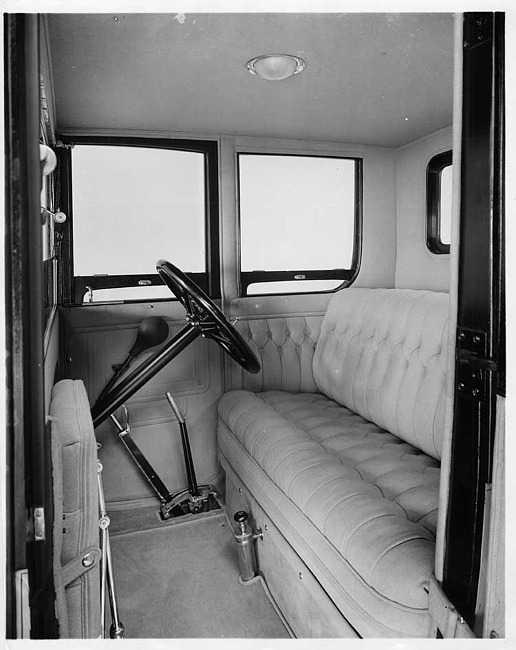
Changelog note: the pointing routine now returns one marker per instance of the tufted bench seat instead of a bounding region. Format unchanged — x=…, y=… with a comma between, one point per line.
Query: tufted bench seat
x=350, y=475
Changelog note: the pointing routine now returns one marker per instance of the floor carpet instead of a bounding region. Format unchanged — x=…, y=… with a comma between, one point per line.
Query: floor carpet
x=181, y=581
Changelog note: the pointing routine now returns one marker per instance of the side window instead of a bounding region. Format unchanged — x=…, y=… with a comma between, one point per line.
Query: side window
x=299, y=222
x=439, y=203
x=133, y=204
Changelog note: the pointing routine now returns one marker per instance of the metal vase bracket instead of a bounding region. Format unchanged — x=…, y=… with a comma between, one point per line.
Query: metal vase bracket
x=245, y=536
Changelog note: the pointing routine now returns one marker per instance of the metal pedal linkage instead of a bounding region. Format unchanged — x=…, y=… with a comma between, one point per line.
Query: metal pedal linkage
x=168, y=505
x=195, y=498
x=205, y=501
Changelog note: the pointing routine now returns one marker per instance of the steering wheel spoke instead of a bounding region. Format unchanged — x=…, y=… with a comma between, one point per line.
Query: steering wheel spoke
x=204, y=315
x=189, y=306
x=215, y=335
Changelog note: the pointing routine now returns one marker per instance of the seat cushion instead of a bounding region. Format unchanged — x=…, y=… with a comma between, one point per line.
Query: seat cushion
x=367, y=500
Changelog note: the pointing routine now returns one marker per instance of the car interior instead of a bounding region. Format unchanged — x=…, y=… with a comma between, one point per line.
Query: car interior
x=255, y=325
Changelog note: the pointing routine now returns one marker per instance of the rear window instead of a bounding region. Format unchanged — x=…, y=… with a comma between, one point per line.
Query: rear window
x=299, y=222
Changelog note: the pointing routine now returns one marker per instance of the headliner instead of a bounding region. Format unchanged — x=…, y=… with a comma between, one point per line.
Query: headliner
x=379, y=79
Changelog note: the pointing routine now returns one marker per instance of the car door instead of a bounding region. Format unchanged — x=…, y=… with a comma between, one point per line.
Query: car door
x=29, y=476
x=480, y=355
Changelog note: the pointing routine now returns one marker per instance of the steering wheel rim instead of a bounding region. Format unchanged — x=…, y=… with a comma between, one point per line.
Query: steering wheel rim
x=204, y=315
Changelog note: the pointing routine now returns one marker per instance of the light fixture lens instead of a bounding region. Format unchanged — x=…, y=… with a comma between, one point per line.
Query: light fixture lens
x=275, y=67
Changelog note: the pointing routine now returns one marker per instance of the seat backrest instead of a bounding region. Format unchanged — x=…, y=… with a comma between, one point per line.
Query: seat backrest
x=382, y=354
x=76, y=514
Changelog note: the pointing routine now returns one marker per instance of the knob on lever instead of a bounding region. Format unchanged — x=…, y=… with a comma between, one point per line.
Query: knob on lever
x=152, y=331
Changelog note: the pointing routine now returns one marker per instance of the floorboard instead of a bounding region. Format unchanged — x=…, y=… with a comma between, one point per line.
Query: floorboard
x=181, y=581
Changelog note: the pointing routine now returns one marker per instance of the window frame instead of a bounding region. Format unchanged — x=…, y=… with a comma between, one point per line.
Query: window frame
x=50, y=294
x=75, y=287
x=247, y=278
x=434, y=170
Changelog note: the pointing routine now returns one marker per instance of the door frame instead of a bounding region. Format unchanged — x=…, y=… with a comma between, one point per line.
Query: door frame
x=480, y=334
x=29, y=475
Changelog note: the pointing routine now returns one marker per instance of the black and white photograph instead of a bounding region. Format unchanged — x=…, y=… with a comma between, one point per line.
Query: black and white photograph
x=254, y=302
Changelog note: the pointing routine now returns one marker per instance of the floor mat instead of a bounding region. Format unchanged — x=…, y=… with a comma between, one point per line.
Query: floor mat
x=181, y=581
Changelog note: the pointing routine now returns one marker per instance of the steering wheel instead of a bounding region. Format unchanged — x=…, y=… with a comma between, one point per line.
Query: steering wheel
x=206, y=317
x=203, y=319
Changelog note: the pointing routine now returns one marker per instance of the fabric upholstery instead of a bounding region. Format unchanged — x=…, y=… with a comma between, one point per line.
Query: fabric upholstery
x=76, y=517
x=285, y=347
x=356, y=468
x=370, y=495
x=382, y=354
x=295, y=590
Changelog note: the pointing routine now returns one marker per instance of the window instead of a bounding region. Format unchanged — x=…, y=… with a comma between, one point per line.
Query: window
x=299, y=222
x=135, y=202
x=439, y=203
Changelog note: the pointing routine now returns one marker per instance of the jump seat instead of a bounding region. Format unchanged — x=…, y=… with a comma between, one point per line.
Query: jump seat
x=349, y=472
x=76, y=514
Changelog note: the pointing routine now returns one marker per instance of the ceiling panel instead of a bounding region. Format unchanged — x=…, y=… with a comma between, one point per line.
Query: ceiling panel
x=382, y=79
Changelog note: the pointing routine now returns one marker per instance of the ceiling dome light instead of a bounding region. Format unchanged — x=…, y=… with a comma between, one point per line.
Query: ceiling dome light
x=275, y=67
